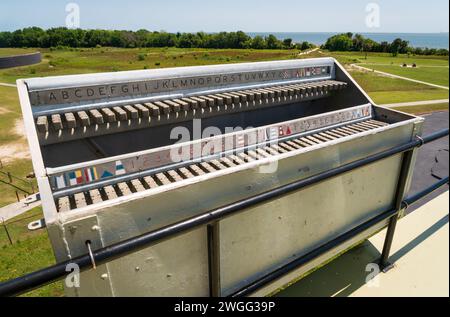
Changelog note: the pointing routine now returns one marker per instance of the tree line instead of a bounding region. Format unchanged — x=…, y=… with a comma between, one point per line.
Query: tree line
x=64, y=37
x=78, y=38
x=356, y=42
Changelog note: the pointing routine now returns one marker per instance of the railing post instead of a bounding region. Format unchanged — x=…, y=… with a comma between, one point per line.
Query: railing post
x=6, y=230
x=213, y=232
x=407, y=160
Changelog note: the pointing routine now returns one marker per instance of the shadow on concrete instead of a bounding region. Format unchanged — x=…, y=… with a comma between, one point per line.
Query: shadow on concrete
x=419, y=239
x=346, y=274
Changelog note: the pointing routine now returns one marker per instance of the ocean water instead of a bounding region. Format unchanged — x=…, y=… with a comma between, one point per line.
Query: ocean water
x=430, y=40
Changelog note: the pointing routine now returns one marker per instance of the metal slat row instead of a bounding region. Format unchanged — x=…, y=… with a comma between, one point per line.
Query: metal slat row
x=218, y=102
x=80, y=200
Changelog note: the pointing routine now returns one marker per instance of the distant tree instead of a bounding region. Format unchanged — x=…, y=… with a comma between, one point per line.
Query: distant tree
x=340, y=42
x=161, y=39
x=384, y=47
x=305, y=46
x=273, y=42
x=141, y=37
x=358, y=42
x=33, y=37
x=6, y=39
x=188, y=40
x=287, y=43
x=398, y=46
x=259, y=42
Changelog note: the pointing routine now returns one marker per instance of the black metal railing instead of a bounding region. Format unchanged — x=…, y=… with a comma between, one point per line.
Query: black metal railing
x=53, y=273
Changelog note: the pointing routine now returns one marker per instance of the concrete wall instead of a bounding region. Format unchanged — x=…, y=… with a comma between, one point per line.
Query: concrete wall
x=20, y=60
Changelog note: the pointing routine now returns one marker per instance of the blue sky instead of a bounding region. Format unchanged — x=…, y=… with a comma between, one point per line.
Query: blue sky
x=414, y=16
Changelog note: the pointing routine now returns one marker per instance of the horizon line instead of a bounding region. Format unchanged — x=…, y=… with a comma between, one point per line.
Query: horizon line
x=218, y=31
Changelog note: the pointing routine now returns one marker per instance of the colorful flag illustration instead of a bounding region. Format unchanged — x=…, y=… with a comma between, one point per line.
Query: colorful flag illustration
x=75, y=178
x=272, y=133
x=79, y=176
x=288, y=131
x=60, y=181
x=91, y=174
x=106, y=174
x=72, y=179
x=120, y=170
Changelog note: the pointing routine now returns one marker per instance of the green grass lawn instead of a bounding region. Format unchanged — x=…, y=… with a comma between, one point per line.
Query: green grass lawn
x=388, y=59
x=424, y=109
x=31, y=251
x=429, y=74
x=16, y=51
x=432, y=69
x=9, y=113
x=19, y=168
x=79, y=61
x=384, y=90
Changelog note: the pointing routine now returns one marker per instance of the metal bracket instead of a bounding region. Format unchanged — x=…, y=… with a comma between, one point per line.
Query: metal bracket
x=422, y=141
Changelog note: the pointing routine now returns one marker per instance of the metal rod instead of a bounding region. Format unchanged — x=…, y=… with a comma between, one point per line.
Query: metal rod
x=435, y=136
x=6, y=231
x=407, y=160
x=418, y=196
x=213, y=231
x=14, y=186
x=53, y=273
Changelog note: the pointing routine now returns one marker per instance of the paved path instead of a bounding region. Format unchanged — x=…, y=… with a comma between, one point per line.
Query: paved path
x=308, y=52
x=7, y=85
x=426, y=159
x=17, y=209
x=415, y=103
x=399, y=77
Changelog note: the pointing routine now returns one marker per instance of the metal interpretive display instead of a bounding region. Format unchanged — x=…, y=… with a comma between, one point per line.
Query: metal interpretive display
x=120, y=154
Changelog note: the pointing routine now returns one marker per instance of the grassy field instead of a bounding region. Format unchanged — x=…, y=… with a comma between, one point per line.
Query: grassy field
x=13, y=146
x=431, y=69
x=388, y=59
x=19, y=168
x=437, y=75
x=384, y=90
x=424, y=109
x=78, y=61
x=9, y=113
x=16, y=51
x=30, y=251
